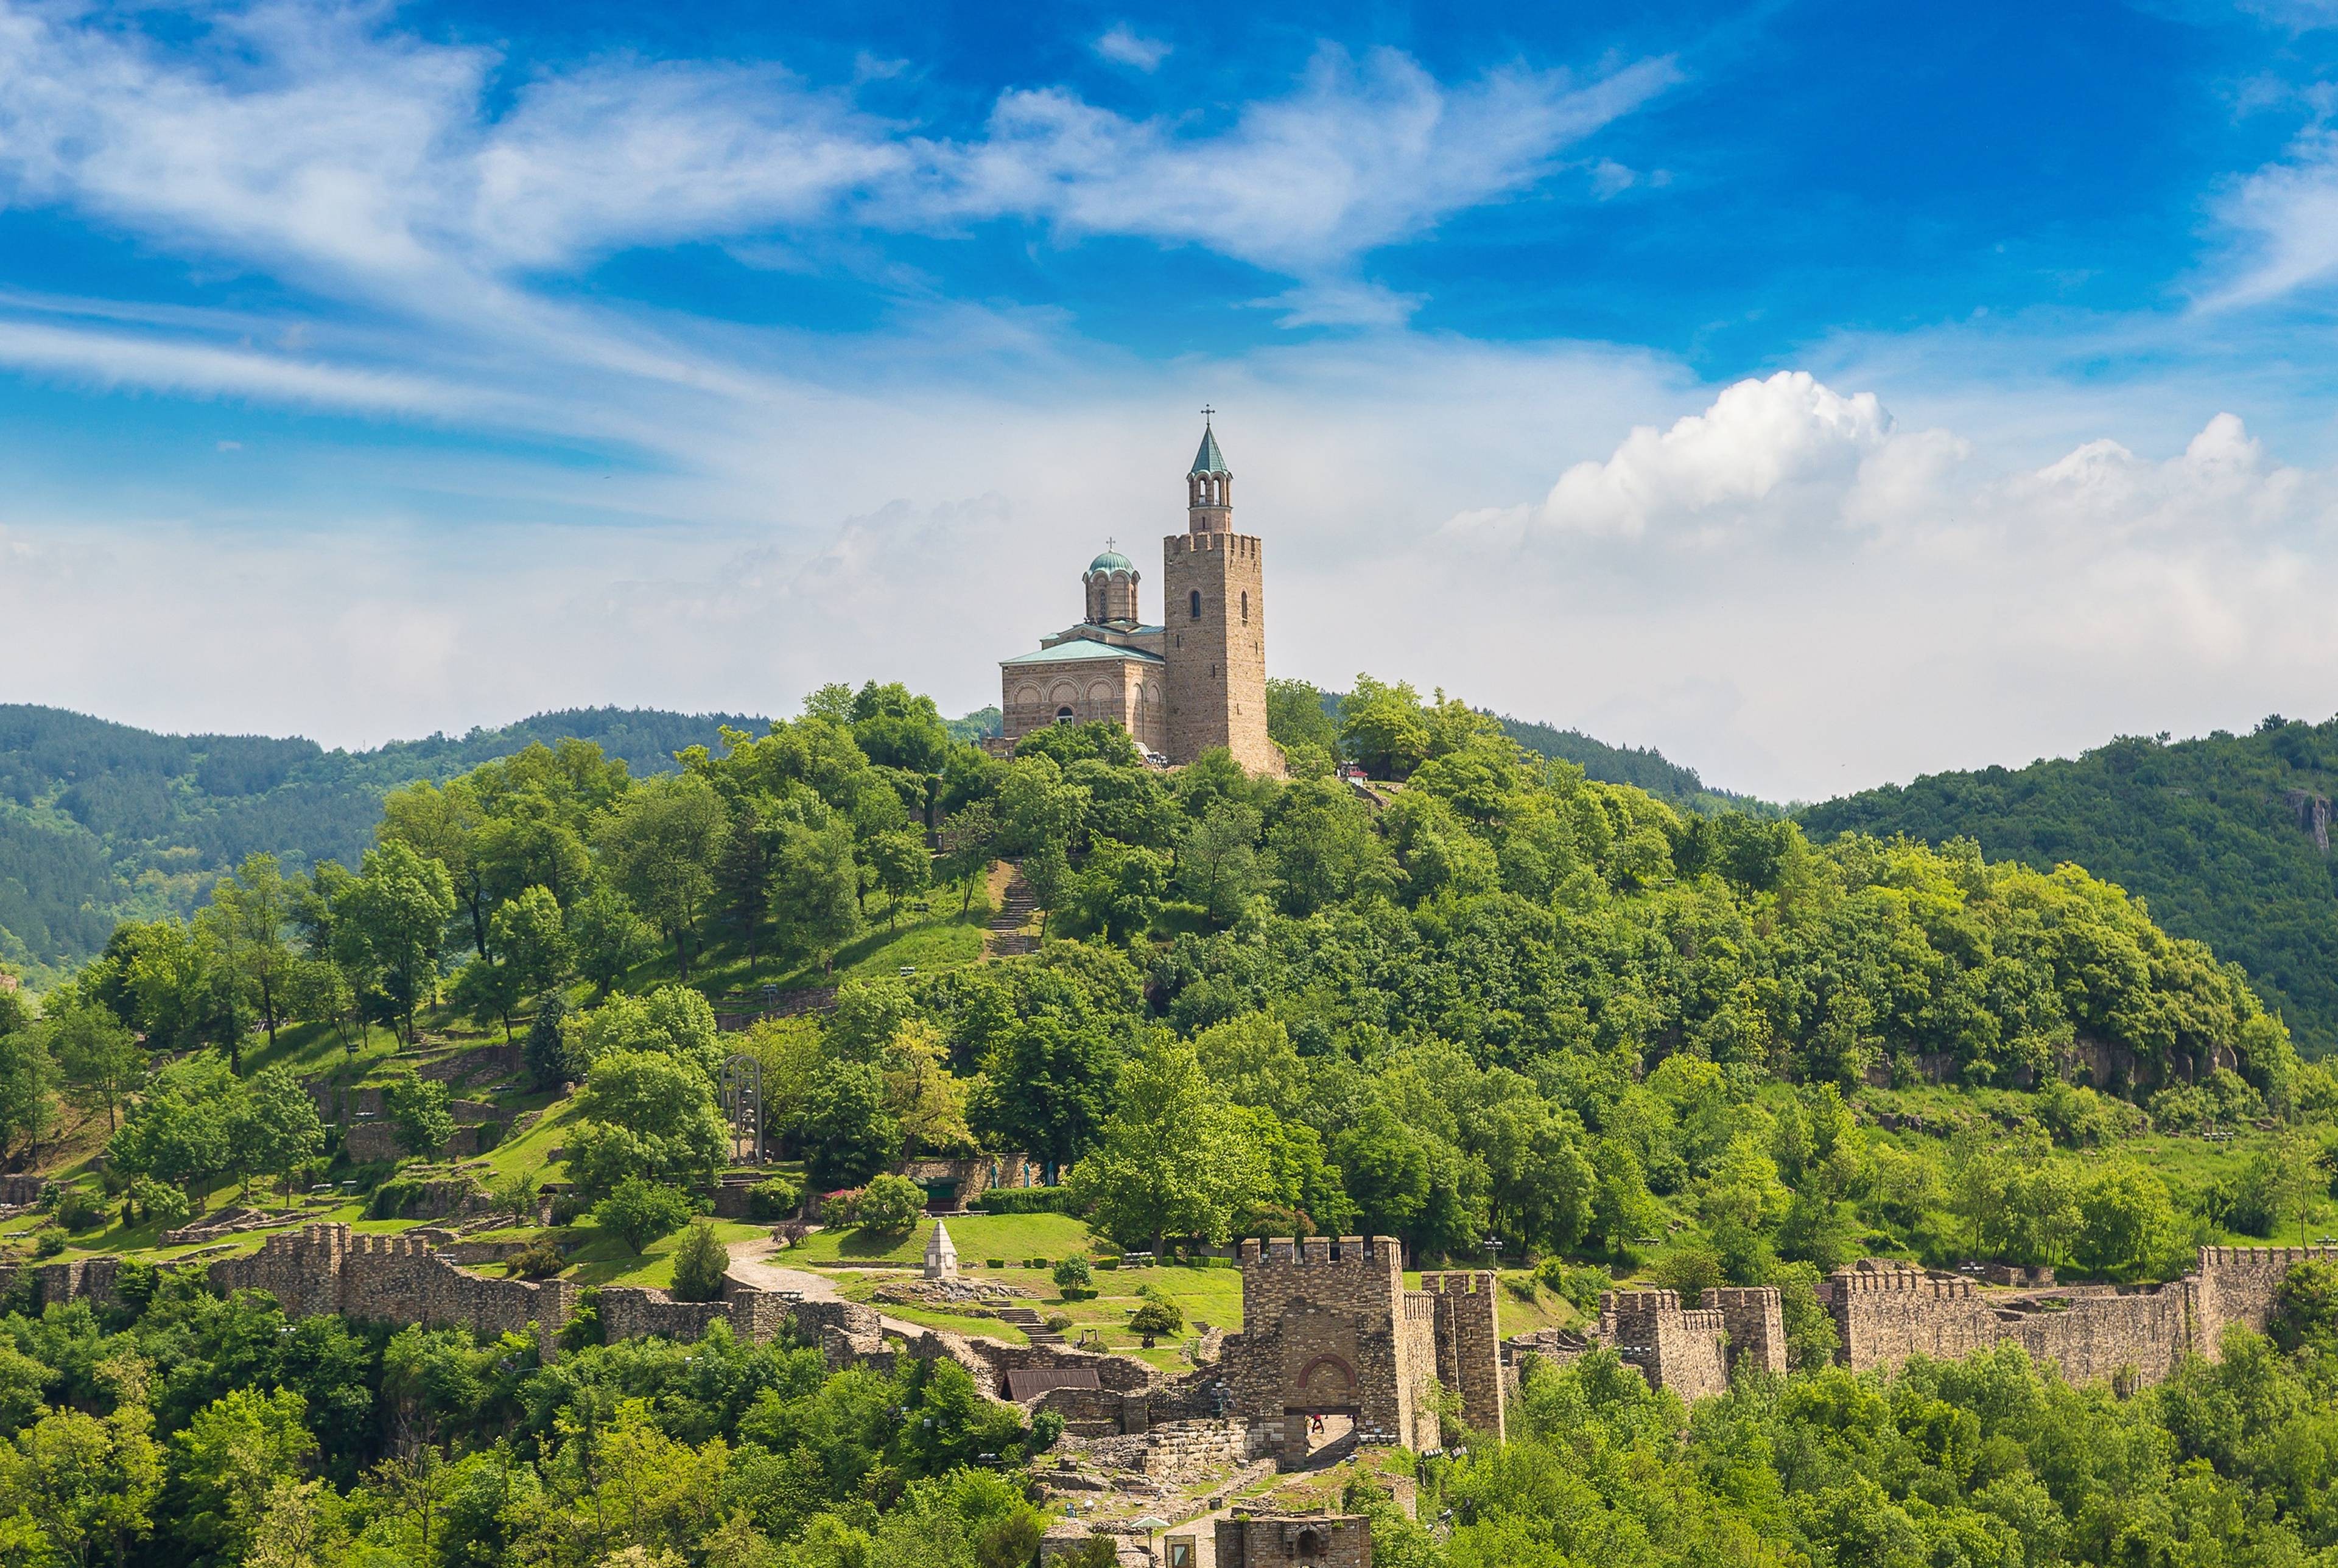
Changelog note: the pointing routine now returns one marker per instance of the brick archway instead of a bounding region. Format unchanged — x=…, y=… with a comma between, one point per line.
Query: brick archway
x=1346, y=1372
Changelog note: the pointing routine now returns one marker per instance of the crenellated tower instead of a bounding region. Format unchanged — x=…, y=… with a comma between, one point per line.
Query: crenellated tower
x=1214, y=615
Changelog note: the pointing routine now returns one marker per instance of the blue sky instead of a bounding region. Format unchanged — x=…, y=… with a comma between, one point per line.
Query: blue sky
x=1824, y=394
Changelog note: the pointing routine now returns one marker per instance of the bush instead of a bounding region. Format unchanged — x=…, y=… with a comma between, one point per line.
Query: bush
x=1158, y=1319
x=79, y=1209
x=541, y=1260
x=1057, y=1322
x=777, y=1198
x=569, y=1207
x=48, y=1242
x=1047, y=1430
x=994, y=1262
x=790, y=1232
x=1580, y=1287
x=1026, y=1200
x=699, y=1265
x=638, y=1212
x=158, y=1201
x=1074, y=1274
x=889, y=1205
x=1101, y=1263
x=389, y=1200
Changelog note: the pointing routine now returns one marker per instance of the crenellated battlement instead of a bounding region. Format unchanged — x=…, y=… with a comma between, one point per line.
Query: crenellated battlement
x=1238, y=547
x=1898, y=1281
x=1379, y=1252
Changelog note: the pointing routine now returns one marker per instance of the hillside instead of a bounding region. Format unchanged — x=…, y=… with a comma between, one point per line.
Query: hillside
x=101, y=821
x=2216, y=835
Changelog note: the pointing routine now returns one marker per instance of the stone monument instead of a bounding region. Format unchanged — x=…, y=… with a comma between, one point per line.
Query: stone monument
x=941, y=1254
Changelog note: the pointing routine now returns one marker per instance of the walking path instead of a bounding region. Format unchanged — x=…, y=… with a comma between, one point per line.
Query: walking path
x=1017, y=903
x=750, y=1265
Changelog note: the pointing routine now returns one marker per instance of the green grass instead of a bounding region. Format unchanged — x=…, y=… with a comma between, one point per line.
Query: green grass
x=602, y=1260
x=938, y=937
x=1010, y=1236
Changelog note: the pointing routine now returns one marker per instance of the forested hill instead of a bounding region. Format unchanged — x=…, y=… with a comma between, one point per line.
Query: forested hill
x=101, y=820
x=1641, y=766
x=2216, y=835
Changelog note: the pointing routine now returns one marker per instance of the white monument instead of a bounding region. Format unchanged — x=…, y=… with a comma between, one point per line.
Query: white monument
x=941, y=1254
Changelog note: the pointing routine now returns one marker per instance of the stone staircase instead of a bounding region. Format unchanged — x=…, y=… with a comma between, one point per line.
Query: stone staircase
x=1017, y=904
x=1034, y=1327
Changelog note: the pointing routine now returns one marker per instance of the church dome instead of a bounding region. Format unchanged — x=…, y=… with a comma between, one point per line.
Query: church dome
x=1111, y=560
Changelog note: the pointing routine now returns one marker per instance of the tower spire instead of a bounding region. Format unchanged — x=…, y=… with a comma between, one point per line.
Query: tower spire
x=1209, y=485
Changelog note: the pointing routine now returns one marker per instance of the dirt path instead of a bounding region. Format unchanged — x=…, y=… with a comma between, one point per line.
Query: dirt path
x=751, y=1264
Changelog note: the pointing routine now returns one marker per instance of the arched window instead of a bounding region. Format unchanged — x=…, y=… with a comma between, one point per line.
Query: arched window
x=1065, y=716
x=1193, y=602
x=1245, y=606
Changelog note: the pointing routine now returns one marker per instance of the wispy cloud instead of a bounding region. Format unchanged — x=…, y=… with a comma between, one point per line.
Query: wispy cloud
x=1125, y=45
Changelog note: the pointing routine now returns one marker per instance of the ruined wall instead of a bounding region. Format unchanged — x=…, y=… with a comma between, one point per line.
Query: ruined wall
x=1675, y=1348
x=1469, y=1345
x=1318, y=1540
x=2236, y=1286
x=1754, y=1320
x=325, y=1268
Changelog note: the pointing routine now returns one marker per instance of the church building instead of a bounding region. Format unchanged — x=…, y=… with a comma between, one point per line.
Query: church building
x=1194, y=681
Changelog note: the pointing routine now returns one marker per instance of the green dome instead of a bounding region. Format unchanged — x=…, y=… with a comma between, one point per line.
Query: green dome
x=1111, y=560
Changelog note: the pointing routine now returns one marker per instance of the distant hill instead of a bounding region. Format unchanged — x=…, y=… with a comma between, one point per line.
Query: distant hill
x=2225, y=837
x=101, y=820
x=1643, y=767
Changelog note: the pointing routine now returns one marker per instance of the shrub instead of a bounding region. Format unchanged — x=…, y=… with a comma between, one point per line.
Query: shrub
x=1158, y=1319
x=389, y=1200
x=1101, y=1263
x=1580, y=1287
x=158, y=1202
x=1074, y=1274
x=541, y=1260
x=78, y=1209
x=1057, y=1322
x=584, y=1329
x=889, y=1205
x=1046, y=1429
x=1026, y=1200
x=638, y=1212
x=777, y=1198
x=790, y=1232
x=1691, y=1268
x=569, y=1207
x=994, y=1262
x=48, y=1242
x=699, y=1265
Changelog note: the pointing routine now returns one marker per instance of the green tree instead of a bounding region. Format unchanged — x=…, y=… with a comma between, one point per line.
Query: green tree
x=391, y=921
x=901, y=867
x=1383, y=727
x=545, y=1051
x=418, y=1113
x=251, y=910
x=177, y=1131
x=1217, y=862
x=276, y=1130
x=814, y=890
x=99, y=1058
x=1322, y=849
x=842, y=1128
x=28, y=1082
x=1047, y=1088
x=609, y=938
x=1174, y=1158
x=700, y=1263
x=1118, y=891
x=88, y=1483
x=2127, y=1222
x=638, y=1211
x=1384, y=1165
x=645, y=1113
x=226, y=1462
x=662, y=845
x=531, y=938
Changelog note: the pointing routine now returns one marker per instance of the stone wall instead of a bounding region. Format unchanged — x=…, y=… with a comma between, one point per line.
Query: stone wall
x=1318, y=1540
x=1469, y=1344
x=1754, y=1320
x=326, y=1268
x=1886, y=1314
x=1676, y=1348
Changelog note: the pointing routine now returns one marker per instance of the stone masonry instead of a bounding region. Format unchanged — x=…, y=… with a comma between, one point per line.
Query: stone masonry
x=1329, y=1329
x=1247, y=1540
x=1885, y=1313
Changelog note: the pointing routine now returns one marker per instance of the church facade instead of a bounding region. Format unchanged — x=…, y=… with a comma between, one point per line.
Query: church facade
x=1195, y=680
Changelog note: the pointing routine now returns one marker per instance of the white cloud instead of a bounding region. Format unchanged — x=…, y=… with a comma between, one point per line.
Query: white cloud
x=1343, y=304
x=1125, y=45
x=1758, y=440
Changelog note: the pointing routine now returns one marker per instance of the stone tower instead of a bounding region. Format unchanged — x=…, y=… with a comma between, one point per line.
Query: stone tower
x=1214, y=616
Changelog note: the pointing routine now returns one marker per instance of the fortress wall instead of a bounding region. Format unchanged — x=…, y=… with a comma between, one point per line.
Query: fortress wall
x=1885, y=1315
x=2238, y=1284
x=636, y=1312
x=1469, y=1343
x=1754, y=1320
x=1675, y=1348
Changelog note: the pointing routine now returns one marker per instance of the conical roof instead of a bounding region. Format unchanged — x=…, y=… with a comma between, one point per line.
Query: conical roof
x=1209, y=459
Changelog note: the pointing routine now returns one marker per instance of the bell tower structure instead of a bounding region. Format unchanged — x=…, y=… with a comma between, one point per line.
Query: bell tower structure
x=1214, y=624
